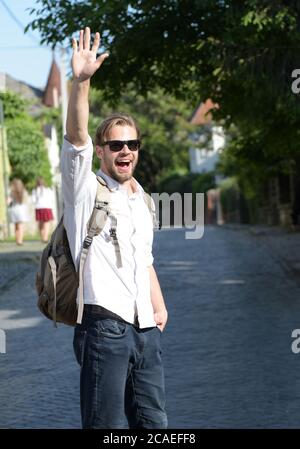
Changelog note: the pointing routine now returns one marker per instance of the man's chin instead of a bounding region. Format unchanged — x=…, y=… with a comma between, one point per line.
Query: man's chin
x=122, y=177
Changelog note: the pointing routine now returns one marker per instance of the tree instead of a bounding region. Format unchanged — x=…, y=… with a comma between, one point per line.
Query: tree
x=26, y=145
x=240, y=54
x=210, y=47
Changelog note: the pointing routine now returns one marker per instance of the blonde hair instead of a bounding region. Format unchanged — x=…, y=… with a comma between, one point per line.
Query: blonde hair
x=17, y=190
x=116, y=119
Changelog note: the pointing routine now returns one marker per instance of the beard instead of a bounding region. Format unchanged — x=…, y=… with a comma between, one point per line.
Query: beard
x=114, y=171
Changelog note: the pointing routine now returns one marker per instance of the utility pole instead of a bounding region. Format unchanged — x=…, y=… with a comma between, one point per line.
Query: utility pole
x=4, y=164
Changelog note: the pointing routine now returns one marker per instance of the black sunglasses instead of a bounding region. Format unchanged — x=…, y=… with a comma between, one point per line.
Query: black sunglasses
x=117, y=145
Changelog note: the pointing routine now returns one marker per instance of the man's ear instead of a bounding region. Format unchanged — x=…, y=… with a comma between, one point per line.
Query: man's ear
x=99, y=151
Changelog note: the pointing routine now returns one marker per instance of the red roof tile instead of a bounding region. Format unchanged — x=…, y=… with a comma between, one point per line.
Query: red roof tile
x=52, y=92
x=202, y=116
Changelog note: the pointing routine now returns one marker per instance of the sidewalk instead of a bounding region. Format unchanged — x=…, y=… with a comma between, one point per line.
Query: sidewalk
x=39, y=377
x=283, y=245
x=16, y=261
x=30, y=246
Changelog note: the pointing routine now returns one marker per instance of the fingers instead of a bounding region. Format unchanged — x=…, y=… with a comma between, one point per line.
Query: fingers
x=87, y=38
x=96, y=42
x=74, y=45
x=85, y=41
x=157, y=318
x=101, y=58
x=81, y=40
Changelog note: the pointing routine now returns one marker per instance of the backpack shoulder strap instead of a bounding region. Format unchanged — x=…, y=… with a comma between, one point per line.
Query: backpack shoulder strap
x=95, y=225
x=103, y=202
x=100, y=212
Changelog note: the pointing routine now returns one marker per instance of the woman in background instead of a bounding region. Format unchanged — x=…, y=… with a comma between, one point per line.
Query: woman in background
x=43, y=200
x=18, y=209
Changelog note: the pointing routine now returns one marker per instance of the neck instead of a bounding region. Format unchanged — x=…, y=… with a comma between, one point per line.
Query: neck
x=129, y=185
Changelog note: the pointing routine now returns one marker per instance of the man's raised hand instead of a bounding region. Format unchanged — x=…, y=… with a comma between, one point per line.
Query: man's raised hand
x=84, y=60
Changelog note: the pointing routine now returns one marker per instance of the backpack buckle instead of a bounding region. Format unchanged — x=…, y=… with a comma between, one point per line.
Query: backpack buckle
x=87, y=242
x=113, y=233
x=101, y=205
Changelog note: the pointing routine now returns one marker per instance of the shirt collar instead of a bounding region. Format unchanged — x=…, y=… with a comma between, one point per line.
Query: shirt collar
x=114, y=185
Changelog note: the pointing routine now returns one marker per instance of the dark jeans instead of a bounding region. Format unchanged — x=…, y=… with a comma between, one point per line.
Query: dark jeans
x=121, y=374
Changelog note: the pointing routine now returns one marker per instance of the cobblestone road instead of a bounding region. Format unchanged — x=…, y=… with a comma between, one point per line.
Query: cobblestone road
x=233, y=299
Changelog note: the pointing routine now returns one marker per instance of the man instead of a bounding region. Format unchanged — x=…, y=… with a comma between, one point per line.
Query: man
x=118, y=343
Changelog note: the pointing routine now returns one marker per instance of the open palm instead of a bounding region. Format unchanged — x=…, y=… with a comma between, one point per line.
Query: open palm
x=84, y=60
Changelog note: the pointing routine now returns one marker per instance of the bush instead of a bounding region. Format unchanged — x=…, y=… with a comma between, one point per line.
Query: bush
x=229, y=197
x=204, y=182
x=25, y=141
x=177, y=182
x=27, y=152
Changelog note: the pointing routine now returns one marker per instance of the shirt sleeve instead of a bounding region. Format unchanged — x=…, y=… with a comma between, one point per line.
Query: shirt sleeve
x=150, y=259
x=76, y=169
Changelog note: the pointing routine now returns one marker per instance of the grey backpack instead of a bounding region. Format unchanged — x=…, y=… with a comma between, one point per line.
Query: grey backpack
x=57, y=280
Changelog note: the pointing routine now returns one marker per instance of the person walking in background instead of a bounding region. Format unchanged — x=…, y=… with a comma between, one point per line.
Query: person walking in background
x=18, y=209
x=43, y=200
x=118, y=342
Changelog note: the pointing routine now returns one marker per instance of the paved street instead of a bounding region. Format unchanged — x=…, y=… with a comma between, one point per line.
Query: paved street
x=233, y=299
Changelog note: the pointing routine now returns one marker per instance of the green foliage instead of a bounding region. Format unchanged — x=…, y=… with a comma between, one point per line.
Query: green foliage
x=183, y=183
x=26, y=144
x=184, y=45
x=204, y=182
x=13, y=105
x=240, y=54
x=27, y=152
x=51, y=115
x=229, y=195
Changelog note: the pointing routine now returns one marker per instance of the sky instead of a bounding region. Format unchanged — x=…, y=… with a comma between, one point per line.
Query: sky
x=20, y=55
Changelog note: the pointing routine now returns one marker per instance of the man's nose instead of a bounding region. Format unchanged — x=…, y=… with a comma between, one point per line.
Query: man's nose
x=125, y=149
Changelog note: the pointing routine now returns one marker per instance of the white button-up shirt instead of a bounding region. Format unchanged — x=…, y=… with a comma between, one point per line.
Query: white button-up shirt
x=126, y=290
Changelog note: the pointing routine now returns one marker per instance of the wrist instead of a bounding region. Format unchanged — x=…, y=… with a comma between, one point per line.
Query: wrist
x=84, y=83
x=160, y=310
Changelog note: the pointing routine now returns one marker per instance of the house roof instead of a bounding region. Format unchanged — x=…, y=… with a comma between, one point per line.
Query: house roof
x=202, y=114
x=53, y=88
x=27, y=91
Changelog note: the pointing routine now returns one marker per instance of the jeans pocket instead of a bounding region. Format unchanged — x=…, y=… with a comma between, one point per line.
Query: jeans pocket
x=111, y=328
x=79, y=344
